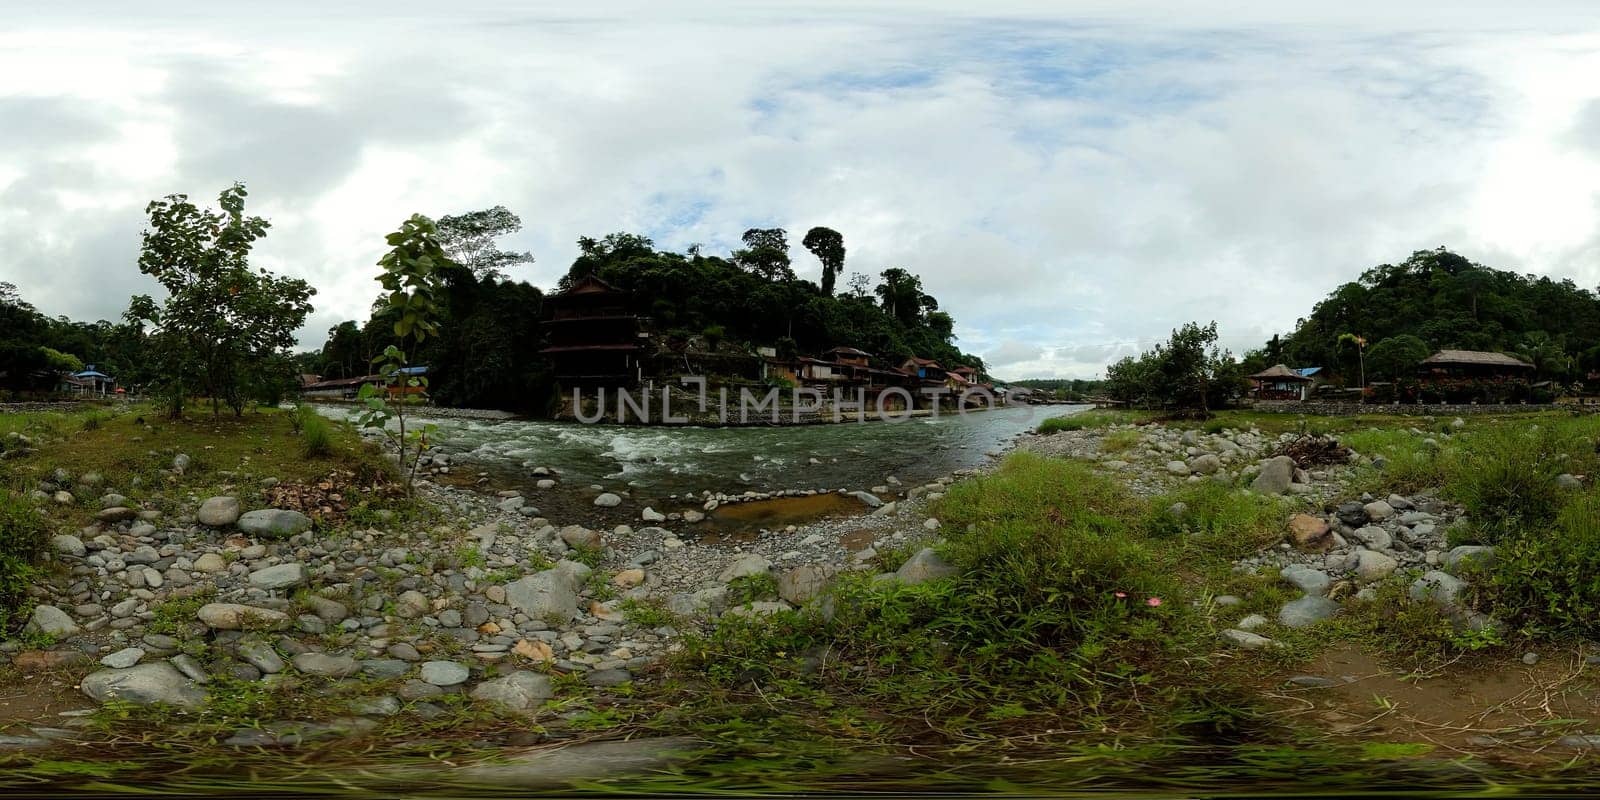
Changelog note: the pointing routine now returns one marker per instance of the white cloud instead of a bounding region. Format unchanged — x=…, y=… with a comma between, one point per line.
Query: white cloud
x=1071, y=187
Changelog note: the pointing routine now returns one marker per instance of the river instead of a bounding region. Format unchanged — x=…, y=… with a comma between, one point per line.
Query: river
x=662, y=461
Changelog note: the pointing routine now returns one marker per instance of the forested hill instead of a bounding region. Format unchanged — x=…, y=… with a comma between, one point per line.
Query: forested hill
x=1436, y=300
x=486, y=353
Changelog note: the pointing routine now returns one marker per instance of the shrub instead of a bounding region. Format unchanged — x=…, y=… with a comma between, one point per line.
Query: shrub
x=22, y=542
x=1506, y=478
x=1219, y=519
x=1076, y=422
x=316, y=433
x=1061, y=606
x=1549, y=580
x=1120, y=441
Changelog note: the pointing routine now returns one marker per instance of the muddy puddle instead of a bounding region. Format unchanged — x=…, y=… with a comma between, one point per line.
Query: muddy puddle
x=1500, y=708
x=741, y=522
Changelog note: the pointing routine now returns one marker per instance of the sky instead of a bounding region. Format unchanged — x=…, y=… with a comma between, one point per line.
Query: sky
x=1072, y=180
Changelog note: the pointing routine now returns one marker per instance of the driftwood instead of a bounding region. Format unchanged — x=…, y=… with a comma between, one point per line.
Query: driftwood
x=1310, y=451
x=328, y=499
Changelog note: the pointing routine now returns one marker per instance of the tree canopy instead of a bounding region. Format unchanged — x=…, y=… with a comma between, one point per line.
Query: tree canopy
x=224, y=329
x=1446, y=301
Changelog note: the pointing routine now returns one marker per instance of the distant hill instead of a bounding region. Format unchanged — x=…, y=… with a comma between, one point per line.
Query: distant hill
x=1436, y=300
x=1068, y=389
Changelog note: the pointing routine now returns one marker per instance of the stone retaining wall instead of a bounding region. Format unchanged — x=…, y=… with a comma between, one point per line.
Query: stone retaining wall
x=1333, y=409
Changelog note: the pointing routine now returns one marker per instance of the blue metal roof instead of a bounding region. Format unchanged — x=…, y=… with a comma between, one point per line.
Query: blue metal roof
x=1306, y=372
x=89, y=373
x=410, y=371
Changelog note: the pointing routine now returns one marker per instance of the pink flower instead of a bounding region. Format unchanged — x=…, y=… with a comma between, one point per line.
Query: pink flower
x=1119, y=595
x=1153, y=602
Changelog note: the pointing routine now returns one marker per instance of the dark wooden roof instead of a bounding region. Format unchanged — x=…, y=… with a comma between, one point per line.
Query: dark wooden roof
x=1477, y=358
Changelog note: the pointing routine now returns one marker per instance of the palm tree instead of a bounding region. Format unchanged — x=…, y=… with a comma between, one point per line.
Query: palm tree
x=1361, y=352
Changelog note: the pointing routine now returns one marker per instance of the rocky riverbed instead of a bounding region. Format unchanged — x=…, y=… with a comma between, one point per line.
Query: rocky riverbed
x=497, y=600
x=159, y=608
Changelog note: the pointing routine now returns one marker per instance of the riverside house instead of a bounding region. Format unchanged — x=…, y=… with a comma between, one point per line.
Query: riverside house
x=594, y=339
x=1278, y=382
x=1474, y=365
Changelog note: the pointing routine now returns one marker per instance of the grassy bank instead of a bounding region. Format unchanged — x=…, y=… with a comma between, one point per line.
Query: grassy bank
x=266, y=458
x=1078, y=615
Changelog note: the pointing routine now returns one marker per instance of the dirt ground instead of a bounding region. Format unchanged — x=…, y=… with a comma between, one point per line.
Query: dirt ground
x=1499, y=708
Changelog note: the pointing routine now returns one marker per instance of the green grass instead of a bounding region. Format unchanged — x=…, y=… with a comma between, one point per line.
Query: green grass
x=23, y=535
x=752, y=588
x=133, y=452
x=1067, y=611
x=1547, y=581
x=1084, y=420
x=316, y=433
x=1120, y=441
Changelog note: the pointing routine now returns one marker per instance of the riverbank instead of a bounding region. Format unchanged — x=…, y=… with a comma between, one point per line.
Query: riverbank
x=1108, y=578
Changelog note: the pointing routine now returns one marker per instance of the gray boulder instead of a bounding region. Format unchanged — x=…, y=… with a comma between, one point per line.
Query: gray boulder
x=444, y=673
x=218, y=512
x=1468, y=557
x=145, y=684
x=708, y=601
x=68, y=545
x=1439, y=588
x=1306, y=611
x=925, y=566
x=801, y=584
x=1246, y=639
x=551, y=594
x=521, y=691
x=1378, y=510
x=281, y=576
x=274, y=523
x=871, y=500
x=1275, y=476
x=327, y=666
x=1375, y=537
x=608, y=500
x=1306, y=579
x=51, y=621
x=1372, y=566
x=234, y=616
x=579, y=537
x=1206, y=464
x=745, y=566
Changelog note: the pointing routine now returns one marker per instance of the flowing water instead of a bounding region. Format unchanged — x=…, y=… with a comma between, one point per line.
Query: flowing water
x=661, y=461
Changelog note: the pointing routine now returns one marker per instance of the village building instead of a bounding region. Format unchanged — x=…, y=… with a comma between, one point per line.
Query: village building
x=89, y=381
x=925, y=370
x=1278, y=382
x=594, y=339
x=1474, y=364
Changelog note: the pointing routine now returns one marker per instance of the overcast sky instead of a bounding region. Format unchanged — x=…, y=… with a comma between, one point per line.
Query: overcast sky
x=1071, y=179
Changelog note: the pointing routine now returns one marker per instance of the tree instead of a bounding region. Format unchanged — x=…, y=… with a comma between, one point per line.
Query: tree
x=1397, y=357
x=1187, y=371
x=860, y=284
x=413, y=276
x=1547, y=356
x=469, y=241
x=828, y=246
x=766, y=253
x=221, y=322
x=343, y=355
x=1360, y=344
x=901, y=295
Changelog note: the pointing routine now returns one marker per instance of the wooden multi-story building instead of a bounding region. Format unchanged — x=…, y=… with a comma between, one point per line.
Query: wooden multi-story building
x=595, y=340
